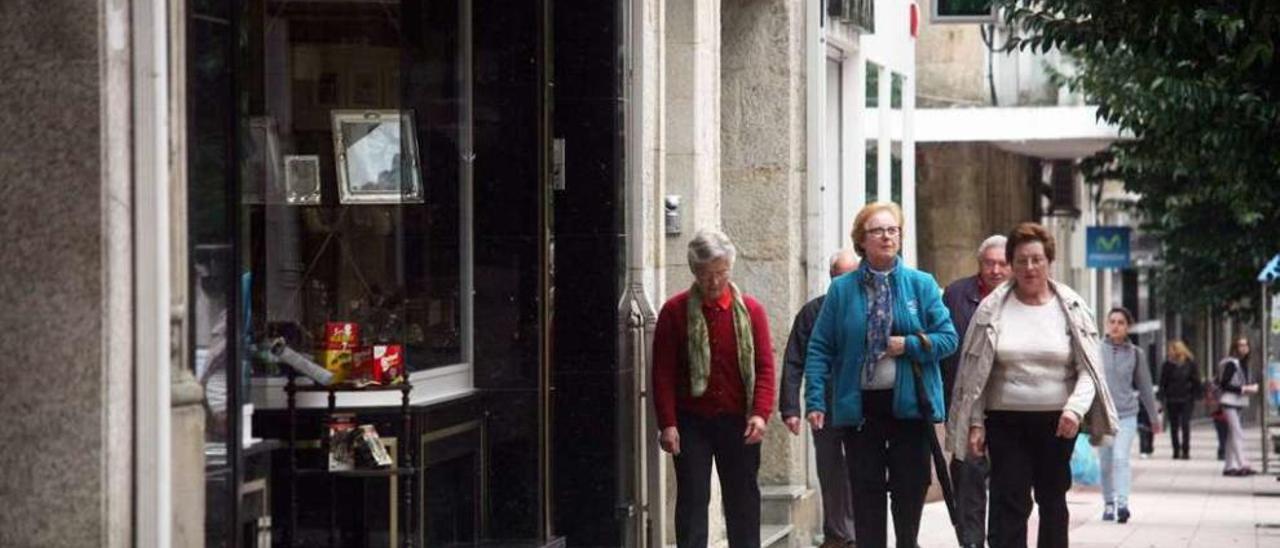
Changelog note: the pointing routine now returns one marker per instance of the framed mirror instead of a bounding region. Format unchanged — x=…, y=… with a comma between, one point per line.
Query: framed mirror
x=376, y=153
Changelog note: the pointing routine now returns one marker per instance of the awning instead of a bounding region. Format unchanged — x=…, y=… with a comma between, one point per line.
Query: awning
x=1050, y=132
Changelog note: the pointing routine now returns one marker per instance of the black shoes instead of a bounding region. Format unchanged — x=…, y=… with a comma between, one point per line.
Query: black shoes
x=1122, y=515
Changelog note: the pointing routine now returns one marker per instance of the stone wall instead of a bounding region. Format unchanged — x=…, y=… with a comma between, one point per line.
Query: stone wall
x=967, y=191
x=950, y=64
x=762, y=169
x=66, y=275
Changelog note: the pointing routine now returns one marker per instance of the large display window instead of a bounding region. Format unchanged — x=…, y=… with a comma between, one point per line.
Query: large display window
x=354, y=206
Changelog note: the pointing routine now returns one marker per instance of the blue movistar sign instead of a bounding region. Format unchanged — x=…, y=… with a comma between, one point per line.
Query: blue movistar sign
x=1271, y=272
x=1107, y=247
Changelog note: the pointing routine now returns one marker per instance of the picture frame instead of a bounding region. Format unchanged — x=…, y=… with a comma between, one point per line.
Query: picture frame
x=302, y=179
x=260, y=162
x=376, y=155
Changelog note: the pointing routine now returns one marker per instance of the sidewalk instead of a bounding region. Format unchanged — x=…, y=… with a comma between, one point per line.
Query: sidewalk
x=1174, y=503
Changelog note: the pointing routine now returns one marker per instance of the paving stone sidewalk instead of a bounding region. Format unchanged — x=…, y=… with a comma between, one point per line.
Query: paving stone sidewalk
x=1175, y=503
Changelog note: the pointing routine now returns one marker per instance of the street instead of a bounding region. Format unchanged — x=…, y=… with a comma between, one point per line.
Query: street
x=1174, y=503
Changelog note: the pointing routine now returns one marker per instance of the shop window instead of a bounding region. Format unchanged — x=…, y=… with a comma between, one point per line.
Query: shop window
x=873, y=85
x=873, y=170
x=895, y=173
x=352, y=130
x=895, y=92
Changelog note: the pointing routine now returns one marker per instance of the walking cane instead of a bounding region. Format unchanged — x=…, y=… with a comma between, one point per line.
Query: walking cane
x=939, y=460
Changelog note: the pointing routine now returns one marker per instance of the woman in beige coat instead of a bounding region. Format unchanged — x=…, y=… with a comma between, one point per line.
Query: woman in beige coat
x=1030, y=379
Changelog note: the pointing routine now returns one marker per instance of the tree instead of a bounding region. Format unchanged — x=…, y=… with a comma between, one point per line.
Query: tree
x=1196, y=85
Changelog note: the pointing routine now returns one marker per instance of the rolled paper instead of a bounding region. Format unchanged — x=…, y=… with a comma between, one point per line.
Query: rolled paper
x=300, y=363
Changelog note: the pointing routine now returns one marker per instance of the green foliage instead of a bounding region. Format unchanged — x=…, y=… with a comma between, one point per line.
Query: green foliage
x=1195, y=83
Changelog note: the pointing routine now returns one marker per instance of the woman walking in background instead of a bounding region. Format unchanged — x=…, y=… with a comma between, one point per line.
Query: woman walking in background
x=1234, y=389
x=1130, y=382
x=1030, y=379
x=1180, y=386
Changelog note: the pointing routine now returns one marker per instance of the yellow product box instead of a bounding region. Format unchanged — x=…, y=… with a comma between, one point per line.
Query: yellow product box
x=339, y=362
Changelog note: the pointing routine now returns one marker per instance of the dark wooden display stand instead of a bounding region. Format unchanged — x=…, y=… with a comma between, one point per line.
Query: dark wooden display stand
x=403, y=471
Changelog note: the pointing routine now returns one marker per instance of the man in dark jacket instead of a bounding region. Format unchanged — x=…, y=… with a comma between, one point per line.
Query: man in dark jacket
x=962, y=297
x=837, y=504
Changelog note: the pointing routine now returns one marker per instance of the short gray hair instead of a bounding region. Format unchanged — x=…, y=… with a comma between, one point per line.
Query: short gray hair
x=710, y=245
x=997, y=240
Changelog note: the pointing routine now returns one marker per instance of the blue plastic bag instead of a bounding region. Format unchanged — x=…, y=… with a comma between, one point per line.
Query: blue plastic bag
x=1084, y=463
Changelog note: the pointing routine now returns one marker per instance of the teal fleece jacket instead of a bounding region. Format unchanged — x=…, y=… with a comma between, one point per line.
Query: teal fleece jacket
x=839, y=337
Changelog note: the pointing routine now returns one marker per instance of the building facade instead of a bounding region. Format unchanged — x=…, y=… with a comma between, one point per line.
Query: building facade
x=502, y=192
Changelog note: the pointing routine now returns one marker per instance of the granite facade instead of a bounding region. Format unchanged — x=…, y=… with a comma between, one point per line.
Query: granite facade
x=65, y=254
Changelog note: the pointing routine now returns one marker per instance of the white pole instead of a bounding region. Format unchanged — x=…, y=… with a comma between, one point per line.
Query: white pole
x=815, y=63
x=1263, y=409
x=153, y=515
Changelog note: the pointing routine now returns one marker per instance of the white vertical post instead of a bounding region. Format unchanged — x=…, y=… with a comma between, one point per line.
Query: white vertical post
x=856, y=148
x=1266, y=380
x=153, y=513
x=815, y=64
x=884, y=158
x=909, y=168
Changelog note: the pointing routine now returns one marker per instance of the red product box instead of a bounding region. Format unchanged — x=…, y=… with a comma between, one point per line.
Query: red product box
x=386, y=363
x=341, y=335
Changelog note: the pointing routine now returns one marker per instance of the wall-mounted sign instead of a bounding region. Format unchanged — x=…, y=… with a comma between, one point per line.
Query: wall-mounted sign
x=962, y=11
x=1107, y=247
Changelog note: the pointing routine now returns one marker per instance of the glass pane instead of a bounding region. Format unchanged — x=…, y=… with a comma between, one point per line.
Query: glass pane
x=895, y=175
x=873, y=85
x=873, y=169
x=350, y=170
x=211, y=267
x=895, y=92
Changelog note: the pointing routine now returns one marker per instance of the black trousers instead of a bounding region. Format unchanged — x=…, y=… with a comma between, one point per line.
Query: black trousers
x=970, y=480
x=1146, y=438
x=1179, y=413
x=702, y=440
x=1220, y=427
x=887, y=455
x=1027, y=455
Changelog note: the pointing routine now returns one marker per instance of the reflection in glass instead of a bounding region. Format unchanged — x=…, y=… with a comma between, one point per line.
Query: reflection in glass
x=873, y=169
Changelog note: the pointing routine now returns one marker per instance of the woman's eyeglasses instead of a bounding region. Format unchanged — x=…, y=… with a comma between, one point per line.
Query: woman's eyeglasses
x=890, y=231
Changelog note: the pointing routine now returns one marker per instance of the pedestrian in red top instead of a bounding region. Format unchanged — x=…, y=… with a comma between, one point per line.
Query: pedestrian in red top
x=713, y=386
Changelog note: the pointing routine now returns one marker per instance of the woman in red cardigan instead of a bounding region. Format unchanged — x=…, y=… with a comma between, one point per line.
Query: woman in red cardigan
x=713, y=388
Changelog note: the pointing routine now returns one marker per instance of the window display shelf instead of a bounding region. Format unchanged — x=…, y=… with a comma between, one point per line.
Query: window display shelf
x=403, y=472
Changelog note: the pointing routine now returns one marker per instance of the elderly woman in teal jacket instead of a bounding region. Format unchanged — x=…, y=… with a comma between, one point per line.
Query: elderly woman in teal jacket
x=876, y=321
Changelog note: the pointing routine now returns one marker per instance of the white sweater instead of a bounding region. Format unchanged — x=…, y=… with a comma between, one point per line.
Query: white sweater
x=1034, y=369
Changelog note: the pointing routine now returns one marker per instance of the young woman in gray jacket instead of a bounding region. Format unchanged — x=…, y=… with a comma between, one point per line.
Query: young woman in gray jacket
x=1130, y=382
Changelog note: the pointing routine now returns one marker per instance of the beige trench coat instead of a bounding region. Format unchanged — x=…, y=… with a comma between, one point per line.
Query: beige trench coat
x=979, y=352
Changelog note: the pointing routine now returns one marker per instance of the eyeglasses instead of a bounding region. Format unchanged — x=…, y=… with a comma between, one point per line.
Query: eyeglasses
x=711, y=275
x=1027, y=262
x=992, y=265
x=890, y=231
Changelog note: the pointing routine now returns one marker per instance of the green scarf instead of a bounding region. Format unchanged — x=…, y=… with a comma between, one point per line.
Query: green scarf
x=700, y=344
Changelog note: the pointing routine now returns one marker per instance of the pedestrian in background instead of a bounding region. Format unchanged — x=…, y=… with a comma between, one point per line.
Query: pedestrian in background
x=1180, y=386
x=828, y=446
x=1030, y=376
x=713, y=388
x=969, y=476
x=1130, y=382
x=1235, y=387
x=875, y=323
